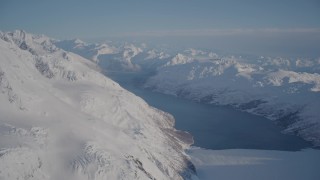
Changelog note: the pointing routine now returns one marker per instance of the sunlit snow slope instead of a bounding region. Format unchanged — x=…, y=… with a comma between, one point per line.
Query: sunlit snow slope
x=62, y=119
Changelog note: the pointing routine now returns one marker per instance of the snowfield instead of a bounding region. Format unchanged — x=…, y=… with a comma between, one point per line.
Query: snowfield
x=62, y=119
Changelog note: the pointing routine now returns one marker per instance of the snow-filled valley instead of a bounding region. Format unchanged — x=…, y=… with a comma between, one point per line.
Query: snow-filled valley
x=62, y=118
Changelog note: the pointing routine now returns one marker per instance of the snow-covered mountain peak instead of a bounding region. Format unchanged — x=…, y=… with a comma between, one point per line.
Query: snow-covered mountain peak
x=281, y=77
x=195, y=52
x=87, y=50
x=78, y=41
x=36, y=44
x=62, y=119
x=154, y=54
x=179, y=59
x=19, y=36
x=71, y=44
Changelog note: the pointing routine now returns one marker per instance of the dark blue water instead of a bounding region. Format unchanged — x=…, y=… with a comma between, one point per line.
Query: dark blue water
x=212, y=126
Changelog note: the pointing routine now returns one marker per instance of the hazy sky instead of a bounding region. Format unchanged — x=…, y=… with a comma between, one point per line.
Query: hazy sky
x=259, y=26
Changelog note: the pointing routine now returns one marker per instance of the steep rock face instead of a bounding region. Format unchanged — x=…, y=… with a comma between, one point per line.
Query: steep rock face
x=62, y=119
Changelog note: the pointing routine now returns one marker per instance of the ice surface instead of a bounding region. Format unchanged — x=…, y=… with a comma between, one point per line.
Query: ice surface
x=255, y=164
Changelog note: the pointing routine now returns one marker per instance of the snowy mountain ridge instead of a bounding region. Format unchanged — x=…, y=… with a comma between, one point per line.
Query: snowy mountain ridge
x=62, y=119
x=89, y=51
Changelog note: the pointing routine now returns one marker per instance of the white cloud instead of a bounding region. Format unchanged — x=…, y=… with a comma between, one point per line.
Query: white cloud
x=225, y=32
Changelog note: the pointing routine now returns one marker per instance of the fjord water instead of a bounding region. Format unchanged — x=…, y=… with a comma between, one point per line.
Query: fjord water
x=212, y=126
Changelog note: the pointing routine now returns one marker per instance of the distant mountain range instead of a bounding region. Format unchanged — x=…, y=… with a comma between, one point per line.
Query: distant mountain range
x=285, y=90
